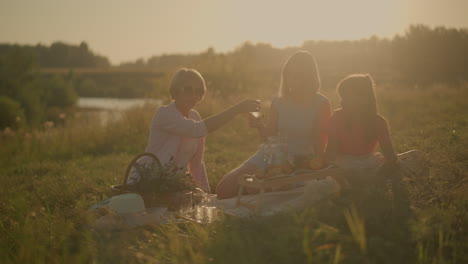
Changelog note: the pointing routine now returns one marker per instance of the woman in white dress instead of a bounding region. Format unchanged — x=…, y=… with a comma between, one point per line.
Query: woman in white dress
x=177, y=131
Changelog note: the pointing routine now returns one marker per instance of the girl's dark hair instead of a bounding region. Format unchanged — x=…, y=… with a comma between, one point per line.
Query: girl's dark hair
x=300, y=65
x=358, y=100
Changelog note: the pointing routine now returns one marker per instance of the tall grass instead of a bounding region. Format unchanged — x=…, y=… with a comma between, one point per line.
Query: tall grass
x=50, y=176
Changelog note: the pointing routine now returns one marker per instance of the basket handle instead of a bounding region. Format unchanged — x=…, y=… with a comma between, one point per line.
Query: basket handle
x=134, y=160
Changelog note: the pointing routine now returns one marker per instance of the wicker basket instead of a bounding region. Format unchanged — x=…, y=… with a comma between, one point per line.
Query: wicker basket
x=151, y=200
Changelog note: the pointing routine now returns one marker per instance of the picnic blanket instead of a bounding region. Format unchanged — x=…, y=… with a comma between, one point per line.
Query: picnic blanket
x=314, y=191
x=283, y=201
x=130, y=213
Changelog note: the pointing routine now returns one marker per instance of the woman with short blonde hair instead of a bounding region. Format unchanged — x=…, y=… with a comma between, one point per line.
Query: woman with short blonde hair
x=177, y=132
x=181, y=76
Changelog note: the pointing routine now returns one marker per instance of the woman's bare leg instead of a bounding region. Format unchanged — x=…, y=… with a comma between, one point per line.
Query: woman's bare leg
x=228, y=186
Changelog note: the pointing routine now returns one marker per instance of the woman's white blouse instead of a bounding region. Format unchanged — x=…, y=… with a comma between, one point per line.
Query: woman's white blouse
x=172, y=135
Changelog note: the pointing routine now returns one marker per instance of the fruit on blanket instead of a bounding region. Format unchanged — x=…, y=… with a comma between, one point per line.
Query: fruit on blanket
x=302, y=161
x=305, y=165
x=317, y=163
x=274, y=171
x=261, y=173
x=286, y=168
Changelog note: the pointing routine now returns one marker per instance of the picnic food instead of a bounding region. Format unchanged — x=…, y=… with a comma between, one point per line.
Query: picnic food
x=261, y=173
x=273, y=171
x=286, y=168
x=317, y=163
x=302, y=161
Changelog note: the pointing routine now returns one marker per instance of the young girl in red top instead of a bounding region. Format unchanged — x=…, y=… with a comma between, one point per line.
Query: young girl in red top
x=356, y=128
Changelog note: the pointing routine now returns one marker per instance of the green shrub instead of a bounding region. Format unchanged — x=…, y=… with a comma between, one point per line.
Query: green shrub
x=11, y=114
x=86, y=87
x=59, y=92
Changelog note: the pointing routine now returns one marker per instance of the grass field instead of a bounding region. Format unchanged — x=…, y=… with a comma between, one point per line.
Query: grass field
x=50, y=176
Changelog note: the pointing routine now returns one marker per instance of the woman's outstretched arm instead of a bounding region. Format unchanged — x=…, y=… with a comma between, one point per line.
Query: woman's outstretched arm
x=214, y=122
x=174, y=123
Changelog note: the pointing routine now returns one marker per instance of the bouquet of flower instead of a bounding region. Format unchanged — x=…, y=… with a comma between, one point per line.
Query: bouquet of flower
x=169, y=178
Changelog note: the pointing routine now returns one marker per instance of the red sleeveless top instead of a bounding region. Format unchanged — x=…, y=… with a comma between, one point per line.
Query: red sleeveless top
x=351, y=140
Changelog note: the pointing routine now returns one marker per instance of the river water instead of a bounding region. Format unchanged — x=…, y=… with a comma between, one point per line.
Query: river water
x=107, y=109
x=114, y=104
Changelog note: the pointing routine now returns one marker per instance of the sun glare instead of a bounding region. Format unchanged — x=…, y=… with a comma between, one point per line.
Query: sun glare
x=290, y=24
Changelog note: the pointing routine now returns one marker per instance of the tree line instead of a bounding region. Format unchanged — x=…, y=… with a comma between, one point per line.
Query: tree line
x=420, y=55
x=60, y=55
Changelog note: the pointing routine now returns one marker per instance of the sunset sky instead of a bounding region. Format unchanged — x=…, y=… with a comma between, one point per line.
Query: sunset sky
x=127, y=30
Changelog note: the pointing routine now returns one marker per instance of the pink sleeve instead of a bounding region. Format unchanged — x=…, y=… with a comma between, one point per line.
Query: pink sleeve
x=197, y=167
x=172, y=122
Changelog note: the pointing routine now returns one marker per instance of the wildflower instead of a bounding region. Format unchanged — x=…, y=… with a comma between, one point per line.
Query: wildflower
x=48, y=124
x=8, y=132
x=159, y=179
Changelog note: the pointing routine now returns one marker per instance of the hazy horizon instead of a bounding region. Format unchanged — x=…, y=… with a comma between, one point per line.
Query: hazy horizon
x=124, y=31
